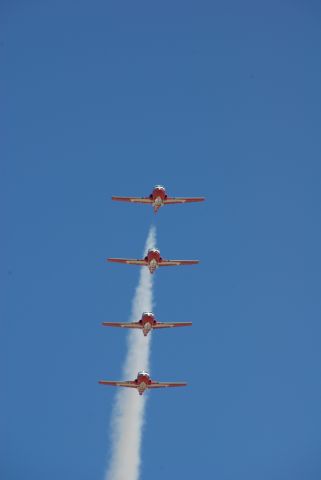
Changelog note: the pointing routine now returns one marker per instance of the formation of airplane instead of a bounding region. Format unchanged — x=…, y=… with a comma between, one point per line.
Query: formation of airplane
x=158, y=198
x=142, y=382
x=153, y=260
x=147, y=323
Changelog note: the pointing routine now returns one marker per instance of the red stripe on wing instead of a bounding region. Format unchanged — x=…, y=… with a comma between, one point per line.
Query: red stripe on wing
x=122, y=325
x=128, y=384
x=170, y=263
x=172, y=200
x=133, y=199
x=128, y=261
x=171, y=325
x=166, y=384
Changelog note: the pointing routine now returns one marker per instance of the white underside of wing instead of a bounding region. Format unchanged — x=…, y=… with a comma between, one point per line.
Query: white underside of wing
x=140, y=200
x=125, y=325
x=131, y=325
x=165, y=384
x=169, y=263
x=174, y=200
x=118, y=384
x=136, y=262
x=126, y=384
x=163, y=325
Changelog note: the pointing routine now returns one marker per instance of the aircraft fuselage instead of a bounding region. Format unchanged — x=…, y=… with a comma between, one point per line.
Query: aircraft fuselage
x=153, y=258
x=142, y=380
x=147, y=321
x=158, y=196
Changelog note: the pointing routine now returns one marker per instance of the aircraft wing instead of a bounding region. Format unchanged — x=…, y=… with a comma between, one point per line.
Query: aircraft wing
x=170, y=263
x=171, y=325
x=129, y=261
x=171, y=200
x=122, y=325
x=166, y=384
x=133, y=199
x=129, y=384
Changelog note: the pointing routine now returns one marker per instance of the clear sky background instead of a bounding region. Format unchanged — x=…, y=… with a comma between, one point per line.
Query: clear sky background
x=220, y=99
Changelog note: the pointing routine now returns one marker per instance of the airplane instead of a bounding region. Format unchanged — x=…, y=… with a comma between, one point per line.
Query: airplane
x=158, y=198
x=146, y=324
x=153, y=260
x=142, y=382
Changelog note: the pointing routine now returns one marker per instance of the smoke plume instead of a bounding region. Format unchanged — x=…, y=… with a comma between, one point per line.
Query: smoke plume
x=128, y=413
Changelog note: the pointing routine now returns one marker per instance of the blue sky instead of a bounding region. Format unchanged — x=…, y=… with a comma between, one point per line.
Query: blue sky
x=220, y=99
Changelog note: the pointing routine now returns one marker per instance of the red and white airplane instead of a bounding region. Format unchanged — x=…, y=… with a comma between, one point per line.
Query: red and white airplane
x=147, y=323
x=153, y=260
x=142, y=382
x=158, y=198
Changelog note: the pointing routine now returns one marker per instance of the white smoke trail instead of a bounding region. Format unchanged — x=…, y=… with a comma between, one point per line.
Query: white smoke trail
x=128, y=413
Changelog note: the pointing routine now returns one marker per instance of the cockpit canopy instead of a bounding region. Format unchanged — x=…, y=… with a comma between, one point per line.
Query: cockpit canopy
x=142, y=372
x=148, y=314
x=153, y=250
x=159, y=187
